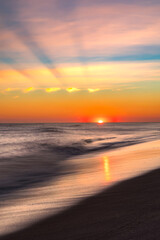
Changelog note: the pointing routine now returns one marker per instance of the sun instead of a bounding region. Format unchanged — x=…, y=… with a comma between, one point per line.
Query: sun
x=100, y=121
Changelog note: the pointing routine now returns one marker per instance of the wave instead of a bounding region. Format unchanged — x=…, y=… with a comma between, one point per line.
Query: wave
x=91, y=140
x=79, y=149
x=55, y=130
x=47, y=163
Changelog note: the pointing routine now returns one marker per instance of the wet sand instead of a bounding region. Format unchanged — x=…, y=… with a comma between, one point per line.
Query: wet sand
x=128, y=210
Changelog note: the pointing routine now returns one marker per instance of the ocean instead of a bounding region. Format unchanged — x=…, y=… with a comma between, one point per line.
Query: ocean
x=46, y=167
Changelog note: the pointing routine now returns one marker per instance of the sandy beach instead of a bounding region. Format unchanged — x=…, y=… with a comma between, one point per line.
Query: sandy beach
x=128, y=210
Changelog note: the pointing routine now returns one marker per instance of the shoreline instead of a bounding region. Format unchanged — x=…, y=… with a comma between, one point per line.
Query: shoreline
x=127, y=210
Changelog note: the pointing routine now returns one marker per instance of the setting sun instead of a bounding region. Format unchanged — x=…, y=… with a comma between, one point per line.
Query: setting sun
x=100, y=121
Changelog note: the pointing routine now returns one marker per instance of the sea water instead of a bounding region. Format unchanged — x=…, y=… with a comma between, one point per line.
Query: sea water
x=47, y=167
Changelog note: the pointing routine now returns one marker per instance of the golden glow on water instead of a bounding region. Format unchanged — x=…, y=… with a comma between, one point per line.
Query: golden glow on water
x=107, y=169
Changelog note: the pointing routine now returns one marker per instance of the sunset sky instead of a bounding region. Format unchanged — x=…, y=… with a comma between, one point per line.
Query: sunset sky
x=79, y=60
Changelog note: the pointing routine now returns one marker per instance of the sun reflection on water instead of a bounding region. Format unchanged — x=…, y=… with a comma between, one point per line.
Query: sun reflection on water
x=107, y=169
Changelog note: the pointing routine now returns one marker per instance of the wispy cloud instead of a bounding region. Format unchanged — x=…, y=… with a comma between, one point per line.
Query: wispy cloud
x=99, y=76
x=30, y=33
x=91, y=90
x=9, y=89
x=49, y=90
x=72, y=89
x=30, y=89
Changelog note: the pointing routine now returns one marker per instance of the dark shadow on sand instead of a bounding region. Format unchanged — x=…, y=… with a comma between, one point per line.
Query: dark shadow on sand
x=128, y=210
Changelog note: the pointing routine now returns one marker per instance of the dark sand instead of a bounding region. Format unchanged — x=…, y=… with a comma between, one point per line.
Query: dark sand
x=129, y=210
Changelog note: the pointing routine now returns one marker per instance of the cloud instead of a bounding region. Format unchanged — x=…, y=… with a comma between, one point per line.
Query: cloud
x=100, y=75
x=30, y=89
x=40, y=34
x=49, y=90
x=91, y=90
x=72, y=89
x=9, y=89
x=35, y=43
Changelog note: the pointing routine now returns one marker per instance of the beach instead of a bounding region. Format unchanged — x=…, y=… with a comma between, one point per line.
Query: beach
x=128, y=210
x=83, y=181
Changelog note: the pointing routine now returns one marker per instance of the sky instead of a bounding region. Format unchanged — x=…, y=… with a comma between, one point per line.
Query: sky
x=79, y=61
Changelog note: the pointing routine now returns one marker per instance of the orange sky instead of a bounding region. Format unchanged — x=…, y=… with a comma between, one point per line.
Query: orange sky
x=111, y=105
x=79, y=61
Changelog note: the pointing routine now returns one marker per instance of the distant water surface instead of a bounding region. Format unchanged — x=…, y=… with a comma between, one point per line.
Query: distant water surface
x=45, y=167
